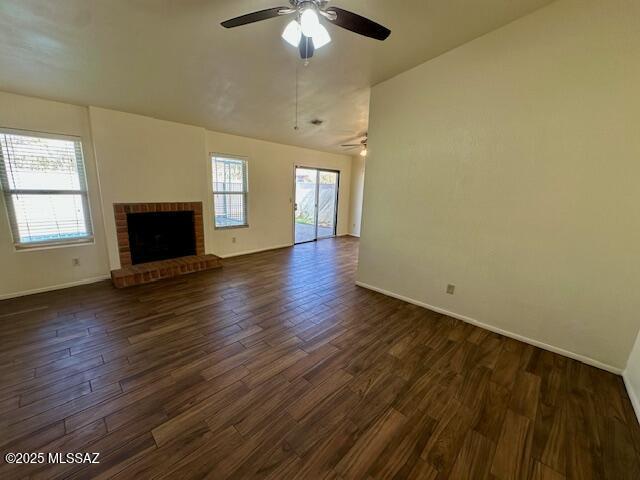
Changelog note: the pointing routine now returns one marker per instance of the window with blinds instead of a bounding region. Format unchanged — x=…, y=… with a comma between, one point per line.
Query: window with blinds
x=230, y=190
x=45, y=189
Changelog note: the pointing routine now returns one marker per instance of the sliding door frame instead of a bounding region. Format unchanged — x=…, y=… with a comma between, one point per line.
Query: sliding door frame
x=335, y=213
x=337, y=199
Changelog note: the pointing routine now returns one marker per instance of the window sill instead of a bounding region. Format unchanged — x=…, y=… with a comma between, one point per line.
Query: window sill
x=230, y=227
x=53, y=245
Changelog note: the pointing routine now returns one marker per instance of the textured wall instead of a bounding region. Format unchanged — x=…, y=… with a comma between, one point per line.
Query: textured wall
x=509, y=167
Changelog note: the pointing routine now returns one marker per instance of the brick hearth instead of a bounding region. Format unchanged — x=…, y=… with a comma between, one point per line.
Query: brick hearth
x=129, y=275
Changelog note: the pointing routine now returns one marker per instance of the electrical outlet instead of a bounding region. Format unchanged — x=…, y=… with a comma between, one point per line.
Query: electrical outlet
x=75, y=262
x=451, y=289
x=233, y=239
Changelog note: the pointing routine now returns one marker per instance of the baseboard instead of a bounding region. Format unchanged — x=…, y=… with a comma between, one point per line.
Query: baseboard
x=277, y=247
x=259, y=250
x=515, y=336
x=632, y=395
x=60, y=286
x=353, y=235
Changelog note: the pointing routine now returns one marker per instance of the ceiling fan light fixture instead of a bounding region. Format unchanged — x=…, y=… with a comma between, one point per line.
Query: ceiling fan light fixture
x=364, y=152
x=309, y=21
x=292, y=33
x=320, y=36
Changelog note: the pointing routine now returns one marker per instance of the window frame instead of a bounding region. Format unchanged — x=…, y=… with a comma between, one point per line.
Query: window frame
x=8, y=192
x=245, y=192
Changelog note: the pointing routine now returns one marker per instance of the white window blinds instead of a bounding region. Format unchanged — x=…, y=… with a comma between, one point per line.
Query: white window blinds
x=45, y=189
x=230, y=190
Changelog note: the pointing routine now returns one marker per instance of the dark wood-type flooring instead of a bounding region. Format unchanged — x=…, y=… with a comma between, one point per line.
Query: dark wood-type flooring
x=279, y=367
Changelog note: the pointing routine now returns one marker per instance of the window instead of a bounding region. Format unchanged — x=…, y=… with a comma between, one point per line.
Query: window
x=45, y=189
x=230, y=192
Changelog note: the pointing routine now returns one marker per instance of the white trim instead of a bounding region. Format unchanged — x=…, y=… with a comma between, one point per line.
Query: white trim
x=632, y=394
x=213, y=158
x=276, y=247
x=352, y=235
x=231, y=156
x=472, y=321
x=35, y=247
x=258, y=250
x=36, y=133
x=82, y=191
x=51, y=288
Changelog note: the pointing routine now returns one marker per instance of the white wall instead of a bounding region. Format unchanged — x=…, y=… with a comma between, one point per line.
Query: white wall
x=34, y=270
x=509, y=167
x=271, y=191
x=141, y=159
x=632, y=376
x=357, y=194
x=131, y=158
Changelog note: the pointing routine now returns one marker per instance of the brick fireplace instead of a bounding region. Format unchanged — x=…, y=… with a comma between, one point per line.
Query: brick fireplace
x=161, y=251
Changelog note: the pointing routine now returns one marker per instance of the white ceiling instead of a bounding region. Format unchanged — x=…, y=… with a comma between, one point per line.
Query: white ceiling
x=171, y=59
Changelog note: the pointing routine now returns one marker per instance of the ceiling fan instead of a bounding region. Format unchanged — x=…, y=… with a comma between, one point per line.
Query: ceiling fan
x=306, y=32
x=362, y=145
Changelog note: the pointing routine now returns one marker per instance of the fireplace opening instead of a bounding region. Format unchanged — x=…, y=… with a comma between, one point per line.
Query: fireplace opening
x=161, y=235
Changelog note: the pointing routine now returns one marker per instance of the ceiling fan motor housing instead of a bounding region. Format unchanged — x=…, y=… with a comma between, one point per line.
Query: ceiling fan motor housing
x=306, y=32
x=300, y=3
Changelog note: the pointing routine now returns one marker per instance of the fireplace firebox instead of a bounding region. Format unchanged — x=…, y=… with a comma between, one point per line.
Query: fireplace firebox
x=160, y=235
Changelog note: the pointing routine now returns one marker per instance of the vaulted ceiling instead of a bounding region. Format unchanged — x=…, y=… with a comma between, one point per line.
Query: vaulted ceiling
x=171, y=59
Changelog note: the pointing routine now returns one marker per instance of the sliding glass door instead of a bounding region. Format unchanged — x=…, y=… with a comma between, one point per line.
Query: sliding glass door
x=305, y=207
x=327, y=203
x=316, y=205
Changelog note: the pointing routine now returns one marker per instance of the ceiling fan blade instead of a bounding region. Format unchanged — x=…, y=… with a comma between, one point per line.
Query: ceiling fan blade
x=256, y=16
x=358, y=24
x=306, y=47
x=353, y=145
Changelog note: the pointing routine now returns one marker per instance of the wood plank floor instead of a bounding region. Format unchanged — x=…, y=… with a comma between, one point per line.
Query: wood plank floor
x=278, y=367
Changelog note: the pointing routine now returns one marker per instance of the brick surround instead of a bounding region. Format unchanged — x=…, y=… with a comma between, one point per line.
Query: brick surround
x=129, y=275
x=121, y=209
